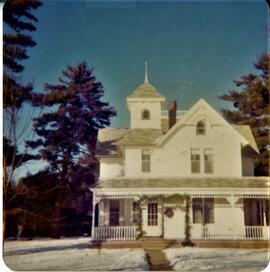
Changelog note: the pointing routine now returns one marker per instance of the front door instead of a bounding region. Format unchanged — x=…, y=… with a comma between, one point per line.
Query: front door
x=152, y=224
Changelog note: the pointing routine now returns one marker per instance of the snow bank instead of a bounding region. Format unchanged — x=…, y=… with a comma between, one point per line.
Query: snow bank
x=217, y=259
x=70, y=254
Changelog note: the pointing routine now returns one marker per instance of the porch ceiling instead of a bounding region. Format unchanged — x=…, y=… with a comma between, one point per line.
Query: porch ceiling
x=136, y=183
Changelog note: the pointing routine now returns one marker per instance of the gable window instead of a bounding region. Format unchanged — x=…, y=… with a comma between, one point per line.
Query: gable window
x=200, y=128
x=203, y=210
x=195, y=161
x=208, y=161
x=145, y=115
x=145, y=161
x=114, y=212
x=152, y=217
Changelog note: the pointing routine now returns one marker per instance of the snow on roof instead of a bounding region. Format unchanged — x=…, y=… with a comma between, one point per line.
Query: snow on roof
x=246, y=132
x=242, y=182
x=111, y=138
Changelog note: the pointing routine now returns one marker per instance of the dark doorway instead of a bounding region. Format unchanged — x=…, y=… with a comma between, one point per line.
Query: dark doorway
x=114, y=212
x=253, y=209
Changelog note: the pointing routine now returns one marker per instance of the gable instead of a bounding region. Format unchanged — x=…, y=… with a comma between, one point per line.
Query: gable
x=203, y=111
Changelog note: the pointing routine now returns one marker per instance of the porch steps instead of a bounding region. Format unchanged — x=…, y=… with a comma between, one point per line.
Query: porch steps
x=157, y=260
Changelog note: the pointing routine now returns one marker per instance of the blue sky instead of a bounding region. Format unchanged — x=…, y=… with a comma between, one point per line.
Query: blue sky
x=193, y=49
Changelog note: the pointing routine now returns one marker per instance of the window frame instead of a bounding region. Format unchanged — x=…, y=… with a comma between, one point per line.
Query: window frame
x=208, y=163
x=143, y=117
x=146, y=161
x=207, y=208
x=201, y=127
x=152, y=214
x=195, y=162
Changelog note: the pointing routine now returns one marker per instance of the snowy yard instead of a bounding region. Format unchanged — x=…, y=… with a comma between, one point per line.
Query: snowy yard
x=74, y=254
x=70, y=254
x=217, y=259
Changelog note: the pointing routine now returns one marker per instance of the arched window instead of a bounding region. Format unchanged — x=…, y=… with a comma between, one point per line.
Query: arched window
x=200, y=128
x=145, y=115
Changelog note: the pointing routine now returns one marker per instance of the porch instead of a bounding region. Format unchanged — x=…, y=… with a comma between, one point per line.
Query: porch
x=218, y=218
x=130, y=233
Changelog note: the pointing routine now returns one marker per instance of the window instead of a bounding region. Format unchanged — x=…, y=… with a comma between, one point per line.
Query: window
x=203, y=210
x=145, y=161
x=114, y=212
x=195, y=161
x=208, y=161
x=145, y=115
x=152, y=219
x=200, y=128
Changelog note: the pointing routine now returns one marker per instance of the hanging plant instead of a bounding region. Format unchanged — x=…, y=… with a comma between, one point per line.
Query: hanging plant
x=169, y=212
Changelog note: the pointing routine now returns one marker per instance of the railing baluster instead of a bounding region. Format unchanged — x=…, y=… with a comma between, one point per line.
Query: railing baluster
x=120, y=232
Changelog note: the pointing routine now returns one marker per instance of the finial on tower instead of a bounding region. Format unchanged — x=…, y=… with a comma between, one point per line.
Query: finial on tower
x=146, y=76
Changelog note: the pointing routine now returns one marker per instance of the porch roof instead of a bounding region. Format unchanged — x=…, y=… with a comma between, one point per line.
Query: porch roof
x=137, y=183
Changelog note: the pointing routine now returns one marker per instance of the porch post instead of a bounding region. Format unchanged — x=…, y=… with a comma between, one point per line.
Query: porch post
x=93, y=217
x=265, y=227
x=233, y=216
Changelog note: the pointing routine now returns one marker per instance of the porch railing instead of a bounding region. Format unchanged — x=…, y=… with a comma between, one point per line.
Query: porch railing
x=115, y=233
x=251, y=232
x=254, y=232
x=164, y=113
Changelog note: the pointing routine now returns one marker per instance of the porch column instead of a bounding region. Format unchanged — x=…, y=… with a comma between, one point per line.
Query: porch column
x=265, y=227
x=232, y=202
x=93, y=217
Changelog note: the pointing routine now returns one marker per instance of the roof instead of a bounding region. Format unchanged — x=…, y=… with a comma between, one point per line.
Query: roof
x=246, y=132
x=129, y=183
x=110, y=138
x=108, y=141
x=146, y=90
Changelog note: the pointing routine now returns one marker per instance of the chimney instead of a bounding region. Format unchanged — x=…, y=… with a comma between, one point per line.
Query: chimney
x=172, y=107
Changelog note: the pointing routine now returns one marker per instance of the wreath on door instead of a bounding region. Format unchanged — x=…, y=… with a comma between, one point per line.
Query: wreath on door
x=169, y=212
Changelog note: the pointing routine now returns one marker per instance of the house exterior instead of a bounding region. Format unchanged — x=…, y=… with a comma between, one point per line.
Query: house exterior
x=164, y=153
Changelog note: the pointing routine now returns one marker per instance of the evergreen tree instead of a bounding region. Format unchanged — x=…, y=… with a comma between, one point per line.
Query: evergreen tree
x=38, y=207
x=251, y=105
x=18, y=22
x=18, y=17
x=69, y=130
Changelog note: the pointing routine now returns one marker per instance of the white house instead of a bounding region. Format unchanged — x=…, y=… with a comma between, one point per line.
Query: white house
x=164, y=153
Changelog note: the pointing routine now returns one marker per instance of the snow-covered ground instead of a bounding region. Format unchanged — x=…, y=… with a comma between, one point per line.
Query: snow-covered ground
x=217, y=259
x=74, y=254
x=70, y=254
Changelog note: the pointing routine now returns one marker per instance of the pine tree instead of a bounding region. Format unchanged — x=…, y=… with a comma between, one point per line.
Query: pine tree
x=251, y=105
x=18, y=17
x=69, y=130
x=18, y=22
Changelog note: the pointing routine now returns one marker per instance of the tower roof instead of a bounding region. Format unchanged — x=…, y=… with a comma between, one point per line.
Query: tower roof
x=146, y=90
